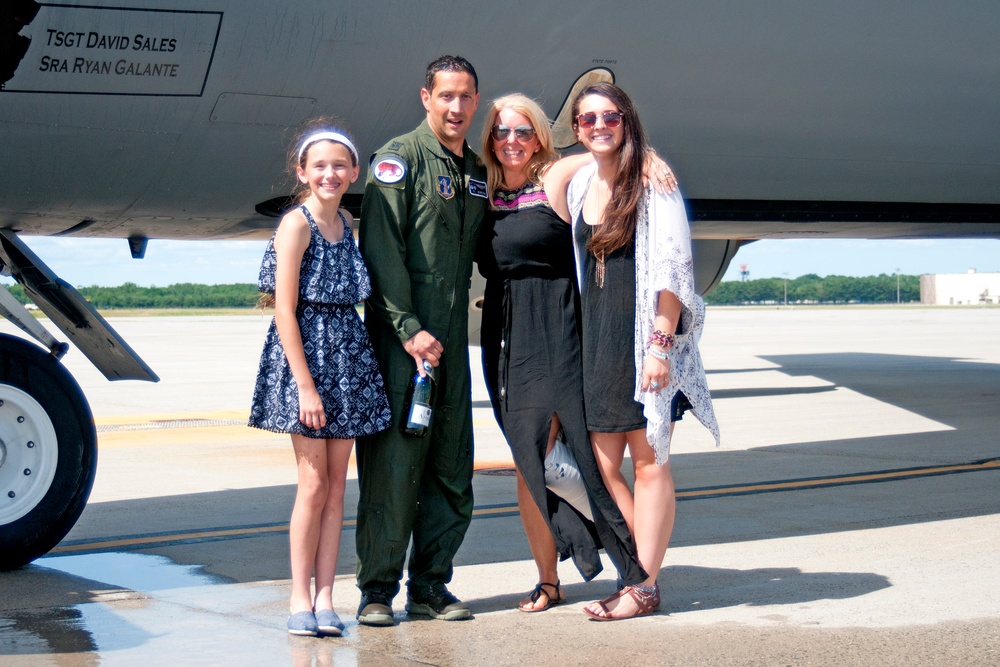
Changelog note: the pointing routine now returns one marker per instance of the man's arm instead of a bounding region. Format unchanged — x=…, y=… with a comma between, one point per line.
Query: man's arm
x=384, y=217
x=384, y=212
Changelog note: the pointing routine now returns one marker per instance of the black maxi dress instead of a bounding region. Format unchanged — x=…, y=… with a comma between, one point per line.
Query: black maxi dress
x=533, y=368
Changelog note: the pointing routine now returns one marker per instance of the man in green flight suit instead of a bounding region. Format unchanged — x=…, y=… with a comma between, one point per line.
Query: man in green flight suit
x=424, y=200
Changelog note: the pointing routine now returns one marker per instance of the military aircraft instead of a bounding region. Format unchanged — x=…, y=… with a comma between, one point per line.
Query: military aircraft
x=145, y=120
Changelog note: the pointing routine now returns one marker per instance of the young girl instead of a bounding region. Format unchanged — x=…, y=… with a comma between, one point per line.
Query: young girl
x=318, y=378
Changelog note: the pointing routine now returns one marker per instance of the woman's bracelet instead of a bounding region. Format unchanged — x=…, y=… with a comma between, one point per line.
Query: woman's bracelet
x=661, y=338
x=663, y=356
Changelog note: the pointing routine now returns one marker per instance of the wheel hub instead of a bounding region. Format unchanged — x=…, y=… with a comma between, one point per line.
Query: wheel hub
x=29, y=453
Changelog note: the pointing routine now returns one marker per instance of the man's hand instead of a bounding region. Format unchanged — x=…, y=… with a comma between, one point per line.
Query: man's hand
x=423, y=346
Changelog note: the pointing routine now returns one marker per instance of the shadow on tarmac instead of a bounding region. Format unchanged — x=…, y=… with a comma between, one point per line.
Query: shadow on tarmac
x=730, y=588
x=960, y=394
x=56, y=630
x=927, y=386
x=890, y=379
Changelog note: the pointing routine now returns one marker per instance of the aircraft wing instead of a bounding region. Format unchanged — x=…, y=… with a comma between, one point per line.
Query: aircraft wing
x=74, y=316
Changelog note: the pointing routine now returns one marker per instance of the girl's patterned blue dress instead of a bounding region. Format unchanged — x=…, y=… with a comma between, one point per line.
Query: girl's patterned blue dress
x=332, y=279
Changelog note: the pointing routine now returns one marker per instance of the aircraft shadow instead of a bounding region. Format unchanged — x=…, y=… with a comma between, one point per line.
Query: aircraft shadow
x=959, y=394
x=945, y=389
x=698, y=588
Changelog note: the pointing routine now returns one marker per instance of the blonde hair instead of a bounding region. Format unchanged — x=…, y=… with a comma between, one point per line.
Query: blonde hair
x=539, y=162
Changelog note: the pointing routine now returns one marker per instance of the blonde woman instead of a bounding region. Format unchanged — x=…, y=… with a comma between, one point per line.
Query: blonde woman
x=531, y=352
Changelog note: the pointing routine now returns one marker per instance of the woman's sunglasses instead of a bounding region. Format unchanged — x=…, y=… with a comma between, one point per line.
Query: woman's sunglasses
x=589, y=120
x=521, y=132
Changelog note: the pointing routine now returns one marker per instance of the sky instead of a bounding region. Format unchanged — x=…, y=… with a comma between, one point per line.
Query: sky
x=107, y=262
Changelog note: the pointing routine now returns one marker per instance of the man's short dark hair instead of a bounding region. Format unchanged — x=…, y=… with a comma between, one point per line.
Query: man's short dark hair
x=449, y=64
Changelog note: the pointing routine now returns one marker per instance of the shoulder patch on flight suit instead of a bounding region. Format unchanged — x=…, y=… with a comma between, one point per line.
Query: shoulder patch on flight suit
x=389, y=169
x=477, y=188
x=444, y=187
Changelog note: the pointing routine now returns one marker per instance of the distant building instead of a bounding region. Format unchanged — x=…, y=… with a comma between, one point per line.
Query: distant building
x=960, y=289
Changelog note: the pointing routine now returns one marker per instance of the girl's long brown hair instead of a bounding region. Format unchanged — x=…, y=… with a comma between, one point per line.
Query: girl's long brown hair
x=300, y=191
x=627, y=190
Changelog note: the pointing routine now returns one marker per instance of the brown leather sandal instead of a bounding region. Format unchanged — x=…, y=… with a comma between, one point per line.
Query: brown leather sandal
x=645, y=604
x=538, y=592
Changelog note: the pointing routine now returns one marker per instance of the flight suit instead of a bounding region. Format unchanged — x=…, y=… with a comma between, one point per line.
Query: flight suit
x=420, y=218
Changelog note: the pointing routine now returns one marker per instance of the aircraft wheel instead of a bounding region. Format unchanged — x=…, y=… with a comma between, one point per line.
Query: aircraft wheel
x=48, y=452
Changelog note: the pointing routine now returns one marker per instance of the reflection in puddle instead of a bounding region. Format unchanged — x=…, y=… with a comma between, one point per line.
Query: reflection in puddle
x=321, y=653
x=138, y=609
x=138, y=572
x=56, y=631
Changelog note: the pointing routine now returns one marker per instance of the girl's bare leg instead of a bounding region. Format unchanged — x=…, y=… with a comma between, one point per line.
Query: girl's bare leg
x=304, y=528
x=332, y=521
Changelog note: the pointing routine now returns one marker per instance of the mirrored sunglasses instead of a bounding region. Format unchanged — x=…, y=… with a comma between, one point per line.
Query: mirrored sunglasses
x=610, y=118
x=521, y=132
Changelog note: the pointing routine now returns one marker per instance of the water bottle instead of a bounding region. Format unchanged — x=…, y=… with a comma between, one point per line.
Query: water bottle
x=419, y=401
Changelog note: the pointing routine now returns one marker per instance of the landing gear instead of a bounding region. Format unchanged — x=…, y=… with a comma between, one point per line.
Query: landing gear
x=48, y=452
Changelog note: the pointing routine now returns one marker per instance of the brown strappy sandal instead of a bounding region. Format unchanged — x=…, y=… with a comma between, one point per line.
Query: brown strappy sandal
x=538, y=592
x=645, y=604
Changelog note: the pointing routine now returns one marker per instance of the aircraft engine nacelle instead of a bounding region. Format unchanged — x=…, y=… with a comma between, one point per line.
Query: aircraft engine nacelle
x=711, y=260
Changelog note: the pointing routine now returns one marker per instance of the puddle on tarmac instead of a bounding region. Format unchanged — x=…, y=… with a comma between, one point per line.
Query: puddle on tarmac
x=181, y=616
x=138, y=572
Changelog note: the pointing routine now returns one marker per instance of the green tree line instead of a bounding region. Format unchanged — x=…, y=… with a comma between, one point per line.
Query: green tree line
x=802, y=290
x=811, y=288
x=181, y=295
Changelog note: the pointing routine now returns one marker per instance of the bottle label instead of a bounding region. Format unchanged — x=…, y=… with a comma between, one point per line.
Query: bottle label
x=420, y=415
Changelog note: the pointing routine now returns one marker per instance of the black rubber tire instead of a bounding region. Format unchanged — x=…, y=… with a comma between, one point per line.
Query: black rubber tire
x=29, y=368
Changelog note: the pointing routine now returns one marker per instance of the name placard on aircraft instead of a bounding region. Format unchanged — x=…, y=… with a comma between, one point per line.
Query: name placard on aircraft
x=113, y=51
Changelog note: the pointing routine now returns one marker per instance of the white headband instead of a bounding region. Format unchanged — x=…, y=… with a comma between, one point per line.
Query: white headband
x=328, y=136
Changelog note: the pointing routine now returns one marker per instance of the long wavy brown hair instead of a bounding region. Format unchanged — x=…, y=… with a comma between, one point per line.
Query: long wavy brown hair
x=627, y=190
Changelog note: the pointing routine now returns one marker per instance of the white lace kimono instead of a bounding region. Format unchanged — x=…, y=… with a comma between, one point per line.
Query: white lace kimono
x=662, y=262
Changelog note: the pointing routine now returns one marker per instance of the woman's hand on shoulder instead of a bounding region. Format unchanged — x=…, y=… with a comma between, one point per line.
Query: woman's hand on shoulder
x=658, y=174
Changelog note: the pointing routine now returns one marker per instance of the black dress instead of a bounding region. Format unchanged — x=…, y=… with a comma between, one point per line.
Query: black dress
x=608, y=313
x=531, y=360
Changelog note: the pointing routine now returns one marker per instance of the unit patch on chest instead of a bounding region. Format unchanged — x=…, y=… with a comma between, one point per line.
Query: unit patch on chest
x=444, y=187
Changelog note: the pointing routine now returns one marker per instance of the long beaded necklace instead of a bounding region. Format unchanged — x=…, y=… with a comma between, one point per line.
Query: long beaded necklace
x=600, y=269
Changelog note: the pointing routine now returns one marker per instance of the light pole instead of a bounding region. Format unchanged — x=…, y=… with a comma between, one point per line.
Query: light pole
x=785, y=277
x=897, y=287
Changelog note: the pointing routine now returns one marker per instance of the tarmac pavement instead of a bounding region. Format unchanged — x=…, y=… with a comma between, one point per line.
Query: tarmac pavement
x=852, y=516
